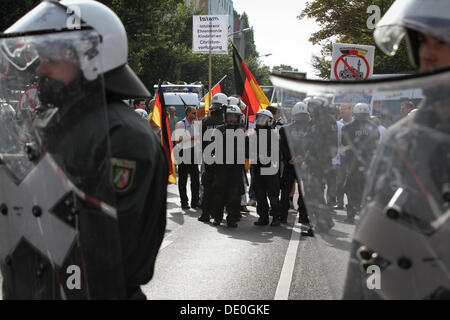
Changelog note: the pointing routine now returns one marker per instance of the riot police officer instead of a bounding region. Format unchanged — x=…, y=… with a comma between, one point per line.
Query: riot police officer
x=100, y=208
x=402, y=231
x=292, y=144
x=228, y=184
x=321, y=148
x=214, y=120
x=266, y=173
x=359, y=139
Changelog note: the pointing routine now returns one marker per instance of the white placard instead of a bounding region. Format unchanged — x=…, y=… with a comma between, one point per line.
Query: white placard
x=352, y=61
x=210, y=33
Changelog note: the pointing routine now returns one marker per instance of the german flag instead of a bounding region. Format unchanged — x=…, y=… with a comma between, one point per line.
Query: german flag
x=215, y=90
x=160, y=117
x=247, y=86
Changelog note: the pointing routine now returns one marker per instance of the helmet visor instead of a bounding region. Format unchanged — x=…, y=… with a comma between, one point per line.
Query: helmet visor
x=385, y=238
x=74, y=198
x=78, y=47
x=262, y=120
x=233, y=118
x=429, y=17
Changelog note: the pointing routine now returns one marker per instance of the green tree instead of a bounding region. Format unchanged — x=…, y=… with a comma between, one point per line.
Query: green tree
x=345, y=21
x=160, y=42
x=13, y=10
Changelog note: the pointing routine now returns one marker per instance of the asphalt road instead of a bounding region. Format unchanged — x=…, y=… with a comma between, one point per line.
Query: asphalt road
x=199, y=261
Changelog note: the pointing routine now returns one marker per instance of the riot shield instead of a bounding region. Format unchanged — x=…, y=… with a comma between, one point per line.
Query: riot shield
x=59, y=234
x=389, y=240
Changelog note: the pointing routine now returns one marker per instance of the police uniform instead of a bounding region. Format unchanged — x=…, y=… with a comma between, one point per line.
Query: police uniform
x=214, y=120
x=321, y=148
x=99, y=180
x=412, y=157
x=359, y=138
x=228, y=186
x=140, y=203
x=267, y=185
x=295, y=133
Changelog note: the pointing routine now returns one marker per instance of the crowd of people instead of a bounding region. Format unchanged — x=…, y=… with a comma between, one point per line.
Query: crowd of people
x=332, y=147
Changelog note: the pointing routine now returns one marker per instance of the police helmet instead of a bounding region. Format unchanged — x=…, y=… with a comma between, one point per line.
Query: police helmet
x=234, y=116
x=142, y=113
x=361, y=111
x=218, y=101
x=236, y=101
x=264, y=118
x=408, y=18
x=300, y=112
x=306, y=100
x=360, y=108
x=51, y=16
x=299, y=107
x=316, y=103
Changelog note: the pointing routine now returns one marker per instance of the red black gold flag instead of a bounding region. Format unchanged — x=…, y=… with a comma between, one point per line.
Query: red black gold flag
x=215, y=90
x=247, y=86
x=160, y=117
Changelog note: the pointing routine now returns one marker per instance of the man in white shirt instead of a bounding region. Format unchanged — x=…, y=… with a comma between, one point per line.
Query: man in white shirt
x=345, y=112
x=381, y=129
x=186, y=138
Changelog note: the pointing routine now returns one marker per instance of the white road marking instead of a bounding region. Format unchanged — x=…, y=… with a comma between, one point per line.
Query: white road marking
x=284, y=284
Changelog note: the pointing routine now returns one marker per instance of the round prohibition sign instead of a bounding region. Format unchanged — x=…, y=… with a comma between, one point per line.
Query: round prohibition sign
x=29, y=99
x=341, y=58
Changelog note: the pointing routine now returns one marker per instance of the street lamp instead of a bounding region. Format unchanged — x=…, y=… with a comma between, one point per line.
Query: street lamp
x=240, y=31
x=241, y=44
x=260, y=56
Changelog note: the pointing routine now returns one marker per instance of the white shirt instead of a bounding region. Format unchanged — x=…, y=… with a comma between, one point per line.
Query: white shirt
x=337, y=159
x=381, y=130
x=185, y=131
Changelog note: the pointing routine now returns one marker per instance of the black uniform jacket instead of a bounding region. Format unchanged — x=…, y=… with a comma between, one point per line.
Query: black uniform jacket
x=113, y=156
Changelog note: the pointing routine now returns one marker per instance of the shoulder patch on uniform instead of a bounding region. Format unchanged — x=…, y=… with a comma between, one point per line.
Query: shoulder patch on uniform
x=122, y=174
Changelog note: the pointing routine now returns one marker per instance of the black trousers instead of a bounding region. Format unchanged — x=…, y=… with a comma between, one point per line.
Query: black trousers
x=287, y=181
x=191, y=170
x=315, y=198
x=331, y=178
x=354, y=187
x=227, y=189
x=340, y=184
x=207, y=180
x=267, y=186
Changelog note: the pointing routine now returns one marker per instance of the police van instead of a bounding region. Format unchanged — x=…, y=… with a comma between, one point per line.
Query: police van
x=181, y=94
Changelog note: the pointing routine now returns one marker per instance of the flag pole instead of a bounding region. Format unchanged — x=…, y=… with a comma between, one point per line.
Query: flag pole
x=210, y=74
x=220, y=81
x=210, y=63
x=246, y=118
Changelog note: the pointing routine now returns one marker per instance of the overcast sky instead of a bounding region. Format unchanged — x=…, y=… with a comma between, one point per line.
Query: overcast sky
x=278, y=31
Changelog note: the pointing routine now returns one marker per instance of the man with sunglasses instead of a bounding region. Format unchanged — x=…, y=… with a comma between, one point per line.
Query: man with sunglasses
x=186, y=134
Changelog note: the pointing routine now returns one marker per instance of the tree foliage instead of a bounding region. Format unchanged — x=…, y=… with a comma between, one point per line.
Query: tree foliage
x=345, y=21
x=13, y=10
x=160, y=42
